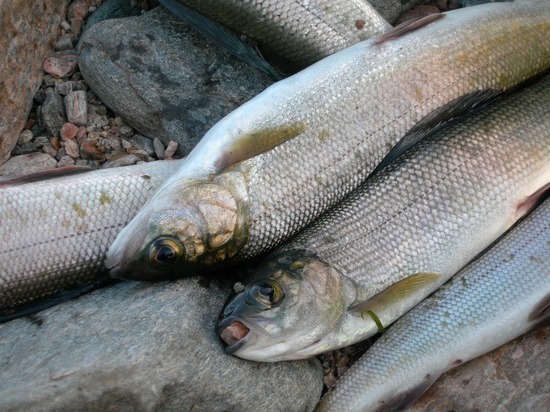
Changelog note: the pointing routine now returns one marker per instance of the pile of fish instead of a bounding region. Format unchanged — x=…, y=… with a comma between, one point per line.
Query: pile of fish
x=361, y=176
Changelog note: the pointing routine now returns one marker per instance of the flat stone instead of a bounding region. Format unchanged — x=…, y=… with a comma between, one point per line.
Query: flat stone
x=64, y=88
x=97, y=116
x=53, y=113
x=61, y=65
x=25, y=137
x=71, y=148
x=26, y=164
x=30, y=29
x=121, y=160
x=68, y=131
x=142, y=347
x=178, y=97
x=170, y=149
x=76, y=107
x=159, y=148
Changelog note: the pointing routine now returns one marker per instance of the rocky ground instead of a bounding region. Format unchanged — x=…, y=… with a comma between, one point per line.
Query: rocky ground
x=69, y=124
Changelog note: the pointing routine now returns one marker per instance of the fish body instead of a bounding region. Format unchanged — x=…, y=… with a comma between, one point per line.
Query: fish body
x=331, y=125
x=55, y=232
x=398, y=237
x=296, y=34
x=498, y=297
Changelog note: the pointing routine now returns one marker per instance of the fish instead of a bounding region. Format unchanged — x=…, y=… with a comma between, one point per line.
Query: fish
x=56, y=226
x=277, y=162
x=292, y=34
x=397, y=238
x=500, y=296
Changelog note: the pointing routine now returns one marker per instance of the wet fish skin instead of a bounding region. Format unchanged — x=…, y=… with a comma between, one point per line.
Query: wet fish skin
x=398, y=237
x=490, y=302
x=55, y=232
x=296, y=34
x=340, y=118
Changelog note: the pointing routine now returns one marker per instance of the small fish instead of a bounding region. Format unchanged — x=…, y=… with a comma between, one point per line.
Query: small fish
x=397, y=238
x=56, y=226
x=493, y=300
x=276, y=163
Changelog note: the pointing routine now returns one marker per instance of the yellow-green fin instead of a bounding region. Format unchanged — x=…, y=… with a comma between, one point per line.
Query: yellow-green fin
x=406, y=27
x=252, y=144
x=391, y=303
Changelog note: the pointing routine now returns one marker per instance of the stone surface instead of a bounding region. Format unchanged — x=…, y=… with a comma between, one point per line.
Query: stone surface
x=112, y=9
x=61, y=65
x=26, y=164
x=76, y=108
x=513, y=377
x=29, y=33
x=53, y=113
x=68, y=131
x=142, y=347
x=163, y=79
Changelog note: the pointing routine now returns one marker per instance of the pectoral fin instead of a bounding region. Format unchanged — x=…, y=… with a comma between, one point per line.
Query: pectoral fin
x=394, y=301
x=252, y=144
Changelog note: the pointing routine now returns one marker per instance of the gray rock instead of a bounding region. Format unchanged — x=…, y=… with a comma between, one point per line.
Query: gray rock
x=162, y=78
x=24, y=137
x=123, y=160
x=143, y=143
x=53, y=113
x=64, y=88
x=40, y=141
x=64, y=43
x=26, y=164
x=76, y=107
x=23, y=148
x=512, y=378
x=112, y=9
x=65, y=161
x=97, y=117
x=159, y=148
x=170, y=149
x=142, y=347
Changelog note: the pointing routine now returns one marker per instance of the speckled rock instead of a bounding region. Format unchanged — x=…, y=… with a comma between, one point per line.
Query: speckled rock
x=142, y=347
x=112, y=9
x=53, y=113
x=29, y=33
x=512, y=378
x=27, y=163
x=162, y=78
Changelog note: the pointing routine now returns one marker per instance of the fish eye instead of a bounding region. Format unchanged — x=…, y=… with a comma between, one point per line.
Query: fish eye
x=164, y=251
x=269, y=293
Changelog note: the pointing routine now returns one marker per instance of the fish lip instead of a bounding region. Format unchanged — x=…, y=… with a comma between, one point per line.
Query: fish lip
x=226, y=322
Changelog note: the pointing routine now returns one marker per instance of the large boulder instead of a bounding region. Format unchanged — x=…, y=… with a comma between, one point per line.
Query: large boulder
x=29, y=33
x=142, y=347
x=164, y=79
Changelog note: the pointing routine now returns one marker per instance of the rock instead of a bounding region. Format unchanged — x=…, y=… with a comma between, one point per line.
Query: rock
x=53, y=113
x=65, y=161
x=121, y=160
x=97, y=116
x=68, y=131
x=64, y=88
x=41, y=141
x=29, y=31
x=90, y=150
x=143, y=143
x=71, y=148
x=26, y=164
x=512, y=378
x=24, y=137
x=64, y=43
x=24, y=148
x=159, y=148
x=61, y=65
x=143, y=347
x=76, y=108
x=177, y=97
x=170, y=149
x=112, y=9
x=49, y=150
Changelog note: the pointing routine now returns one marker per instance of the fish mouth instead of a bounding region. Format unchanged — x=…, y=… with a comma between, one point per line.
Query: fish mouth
x=234, y=334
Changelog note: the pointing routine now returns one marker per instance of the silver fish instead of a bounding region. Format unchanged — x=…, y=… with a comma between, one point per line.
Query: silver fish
x=55, y=231
x=293, y=34
x=338, y=120
x=398, y=237
x=498, y=297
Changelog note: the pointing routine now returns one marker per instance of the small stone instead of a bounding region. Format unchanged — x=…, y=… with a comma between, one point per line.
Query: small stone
x=68, y=131
x=170, y=149
x=56, y=144
x=118, y=121
x=89, y=150
x=143, y=143
x=53, y=112
x=49, y=81
x=125, y=144
x=94, y=136
x=65, y=161
x=93, y=164
x=41, y=141
x=82, y=133
x=97, y=116
x=71, y=147
x=126, y=131
x=79, y=85
x=65, y=25
x=64, y=43
x=159, y=148
x=24, y=137
x=61, y=65
x=121, y=160
x=24, y=148
x=64, y=88
x=27, y=163
x=49, y=149
x=40, y=96
x=91, y=9
x=76, y=108
x=60, y=153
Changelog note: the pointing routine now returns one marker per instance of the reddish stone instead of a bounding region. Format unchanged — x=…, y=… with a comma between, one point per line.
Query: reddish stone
x=91, y=151
x=69, y=131
x=56, y=144
x=61, y=65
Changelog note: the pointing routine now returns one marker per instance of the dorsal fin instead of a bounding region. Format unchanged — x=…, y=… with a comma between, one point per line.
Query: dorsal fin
x=44, y=175
x=407, y=27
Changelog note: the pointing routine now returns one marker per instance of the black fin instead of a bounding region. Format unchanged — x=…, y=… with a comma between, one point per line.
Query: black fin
x=47, y=302
x=406, y=27
x=403, y=400
x=541, y=313
x=222, y=37
x=430, y=123
x=45, y=175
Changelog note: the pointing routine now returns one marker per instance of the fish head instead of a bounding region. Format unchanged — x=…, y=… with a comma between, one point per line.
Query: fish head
x=186, y=228
x=293, y=301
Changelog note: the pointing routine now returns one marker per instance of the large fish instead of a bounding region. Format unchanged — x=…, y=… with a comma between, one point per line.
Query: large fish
x=398, y=237
x=492, y=301
x=55, y=231
x=339, y=119
x=294, y=34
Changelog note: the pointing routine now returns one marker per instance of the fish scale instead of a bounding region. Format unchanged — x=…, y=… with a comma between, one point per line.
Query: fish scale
x=399, y=236
x=55, y=233
x=487, y=304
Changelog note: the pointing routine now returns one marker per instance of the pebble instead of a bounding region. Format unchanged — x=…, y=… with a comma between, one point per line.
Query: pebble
x=64, y=43
x=40, y=141
x=64, y=88
x=54, y=141
x=76, y=107
x=27, y=163
x=143, y=143
x=53, y=112
x=91, y=151
x=170, y=149
x=126, y=131
x=24, y=148
x=71, y=147
x=24, y=137
x=65, y=25
x=159, y=148
x=92, y=164
x=121, y=160
x=65, y=161
x=61, y=65
x=69, y=131
x=97, y=117
x=48, y=149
